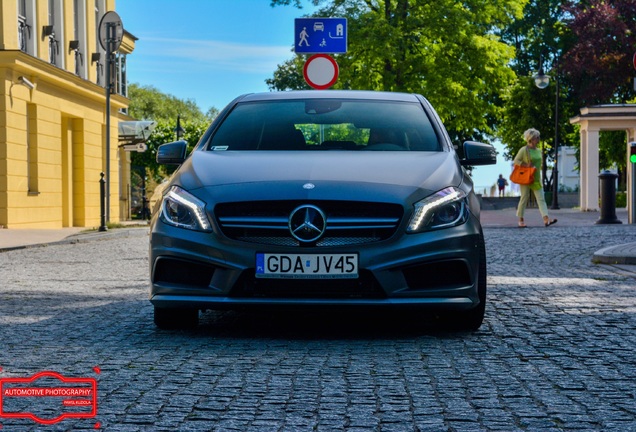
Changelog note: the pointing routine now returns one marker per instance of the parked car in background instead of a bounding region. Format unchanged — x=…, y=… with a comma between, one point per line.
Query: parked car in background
x=320, y=199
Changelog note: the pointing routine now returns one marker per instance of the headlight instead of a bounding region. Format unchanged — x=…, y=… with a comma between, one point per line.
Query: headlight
x=443, y=209
x=181, y=209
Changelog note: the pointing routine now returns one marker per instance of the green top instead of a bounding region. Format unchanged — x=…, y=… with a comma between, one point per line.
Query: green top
x=535, y=159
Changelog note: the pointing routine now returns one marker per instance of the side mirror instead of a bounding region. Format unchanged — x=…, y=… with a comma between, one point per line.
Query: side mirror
x=476, y=153
x=173, y=153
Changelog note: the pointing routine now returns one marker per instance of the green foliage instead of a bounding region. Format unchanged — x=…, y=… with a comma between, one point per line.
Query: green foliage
x=612, y=145
x=148, y=103
x=587, y=46
x=296, y=3
x=165, y=133
x=537, y=35
x=526, y=107
x=612, y=149
x=621, y=199
x=446, y=50
x=289, y=76
x=600, y=60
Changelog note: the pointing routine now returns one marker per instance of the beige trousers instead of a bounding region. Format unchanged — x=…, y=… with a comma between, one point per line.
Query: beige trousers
x=525, y=196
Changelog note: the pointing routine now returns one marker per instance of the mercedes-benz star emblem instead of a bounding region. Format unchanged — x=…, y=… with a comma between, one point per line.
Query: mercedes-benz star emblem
x=307, y=223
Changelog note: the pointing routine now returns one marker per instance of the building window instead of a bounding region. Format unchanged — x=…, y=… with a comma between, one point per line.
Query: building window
x=98, y=58
x=53, y=31
x=77, y=46
x=121, y=75
x=122, y=81
x=32, y=149
x=26, y=42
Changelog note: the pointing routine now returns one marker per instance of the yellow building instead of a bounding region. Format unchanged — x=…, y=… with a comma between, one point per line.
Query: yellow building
x=53, y=115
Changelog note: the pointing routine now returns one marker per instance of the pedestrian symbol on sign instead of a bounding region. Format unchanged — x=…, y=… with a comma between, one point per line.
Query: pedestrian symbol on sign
x=303, y=37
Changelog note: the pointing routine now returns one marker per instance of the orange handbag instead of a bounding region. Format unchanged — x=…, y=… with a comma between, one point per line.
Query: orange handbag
x=523, y=175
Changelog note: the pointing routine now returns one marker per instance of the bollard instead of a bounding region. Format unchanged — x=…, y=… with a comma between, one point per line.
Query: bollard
x=102, y=199
x=608, y=198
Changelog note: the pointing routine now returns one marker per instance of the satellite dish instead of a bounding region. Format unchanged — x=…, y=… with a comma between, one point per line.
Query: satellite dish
x=111, y=21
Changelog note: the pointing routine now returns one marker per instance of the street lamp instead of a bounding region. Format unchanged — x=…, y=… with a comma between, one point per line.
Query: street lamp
x=541, y=80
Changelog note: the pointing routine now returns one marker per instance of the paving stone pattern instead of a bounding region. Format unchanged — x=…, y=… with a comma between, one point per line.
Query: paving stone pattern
x=557, y=350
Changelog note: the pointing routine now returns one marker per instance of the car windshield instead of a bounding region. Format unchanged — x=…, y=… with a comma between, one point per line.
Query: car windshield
x=326, y=124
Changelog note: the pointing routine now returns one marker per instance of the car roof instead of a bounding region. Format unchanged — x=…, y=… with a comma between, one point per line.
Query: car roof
x=330, y=94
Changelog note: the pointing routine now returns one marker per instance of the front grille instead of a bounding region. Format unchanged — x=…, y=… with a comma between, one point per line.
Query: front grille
x=348, y=222
x=365, y=287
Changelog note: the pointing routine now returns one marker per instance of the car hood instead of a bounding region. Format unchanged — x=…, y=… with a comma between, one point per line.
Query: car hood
x=351, y=175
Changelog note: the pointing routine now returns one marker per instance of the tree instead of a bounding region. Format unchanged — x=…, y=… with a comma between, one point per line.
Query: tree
x=526, y=107
x=289, y=76
x=587, y=45
x=148, y=103
x=538, y=36
x=600, y=61
x=447, y=50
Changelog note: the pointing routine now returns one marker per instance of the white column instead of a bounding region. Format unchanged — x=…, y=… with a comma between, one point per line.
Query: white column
x=589, y=168
x=583, y=166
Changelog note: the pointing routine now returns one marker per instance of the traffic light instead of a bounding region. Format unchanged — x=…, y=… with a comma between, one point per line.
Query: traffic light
x=632, y=153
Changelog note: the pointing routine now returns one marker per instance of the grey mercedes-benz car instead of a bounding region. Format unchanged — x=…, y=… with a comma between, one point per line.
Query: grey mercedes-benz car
x=320, y=198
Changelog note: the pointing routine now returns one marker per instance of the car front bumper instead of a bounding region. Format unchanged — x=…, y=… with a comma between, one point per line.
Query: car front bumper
x=436, y=269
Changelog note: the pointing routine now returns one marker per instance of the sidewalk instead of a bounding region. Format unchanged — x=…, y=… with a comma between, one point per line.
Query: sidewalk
x=22, y=238
x=624, y=254
x=507, y=218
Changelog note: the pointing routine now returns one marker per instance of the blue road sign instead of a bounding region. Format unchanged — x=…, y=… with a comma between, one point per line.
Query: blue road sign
x=320, y=35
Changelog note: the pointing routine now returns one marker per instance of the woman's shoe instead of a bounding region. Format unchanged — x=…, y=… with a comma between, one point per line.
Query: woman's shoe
x=550, y=222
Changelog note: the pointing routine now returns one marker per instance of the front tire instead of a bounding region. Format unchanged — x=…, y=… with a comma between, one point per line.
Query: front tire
x=176, y=318
x=471, y=320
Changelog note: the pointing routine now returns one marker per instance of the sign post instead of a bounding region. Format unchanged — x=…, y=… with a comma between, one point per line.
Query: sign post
x=111, y=32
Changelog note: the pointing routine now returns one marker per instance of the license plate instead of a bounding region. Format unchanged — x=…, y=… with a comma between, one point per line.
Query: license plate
x=307, y=266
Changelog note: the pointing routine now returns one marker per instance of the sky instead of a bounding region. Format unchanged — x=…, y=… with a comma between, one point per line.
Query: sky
x=211, y=51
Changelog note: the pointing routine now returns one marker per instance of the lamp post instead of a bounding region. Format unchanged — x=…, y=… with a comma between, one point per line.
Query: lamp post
x=179, y=131
x=541, y=80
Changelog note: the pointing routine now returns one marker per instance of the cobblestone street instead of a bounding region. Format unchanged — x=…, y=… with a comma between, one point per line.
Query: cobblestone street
x=557, y=350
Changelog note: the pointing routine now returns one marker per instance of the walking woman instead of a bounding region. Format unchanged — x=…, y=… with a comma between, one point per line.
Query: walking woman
x=528, y=156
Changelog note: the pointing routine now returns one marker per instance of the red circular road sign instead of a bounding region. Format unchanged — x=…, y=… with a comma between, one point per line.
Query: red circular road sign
x=320, y=71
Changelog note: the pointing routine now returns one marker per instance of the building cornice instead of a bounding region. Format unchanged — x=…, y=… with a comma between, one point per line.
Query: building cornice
x=40, y=72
